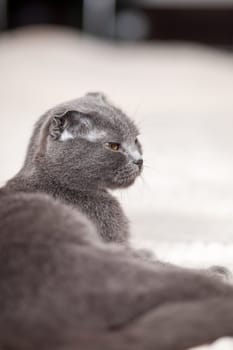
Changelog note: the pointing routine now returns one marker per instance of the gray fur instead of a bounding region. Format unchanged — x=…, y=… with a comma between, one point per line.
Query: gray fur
x=62, y=288
x=79, y=171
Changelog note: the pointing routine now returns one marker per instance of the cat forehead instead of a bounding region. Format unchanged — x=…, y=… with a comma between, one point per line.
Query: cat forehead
x=118, y=125
x=103, y=114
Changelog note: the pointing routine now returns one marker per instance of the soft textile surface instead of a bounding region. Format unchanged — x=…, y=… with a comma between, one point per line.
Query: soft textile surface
x=191, y=254
x=182, y=98
x=221, y=344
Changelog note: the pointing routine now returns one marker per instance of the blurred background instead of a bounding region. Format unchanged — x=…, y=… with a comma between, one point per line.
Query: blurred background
x=206, y=21
x=169, y=65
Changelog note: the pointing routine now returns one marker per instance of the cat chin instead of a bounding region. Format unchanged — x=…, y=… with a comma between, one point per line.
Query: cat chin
x=123, y=183
x=128, y=184
x=124, y=179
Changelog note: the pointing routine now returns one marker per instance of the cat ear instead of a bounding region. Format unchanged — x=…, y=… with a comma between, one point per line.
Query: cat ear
x=69, y=125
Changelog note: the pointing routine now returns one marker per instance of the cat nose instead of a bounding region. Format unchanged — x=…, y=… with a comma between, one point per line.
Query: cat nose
x=139, y=162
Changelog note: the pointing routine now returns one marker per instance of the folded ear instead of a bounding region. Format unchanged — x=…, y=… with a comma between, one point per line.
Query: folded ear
x=69, y=125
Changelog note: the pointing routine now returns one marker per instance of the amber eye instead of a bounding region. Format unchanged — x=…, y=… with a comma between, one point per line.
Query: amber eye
x=114, y=146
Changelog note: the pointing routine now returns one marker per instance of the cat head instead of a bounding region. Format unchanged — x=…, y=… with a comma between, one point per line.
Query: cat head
x=88, y=142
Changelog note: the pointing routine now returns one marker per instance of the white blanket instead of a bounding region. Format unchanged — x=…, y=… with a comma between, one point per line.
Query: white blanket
x=221, y=344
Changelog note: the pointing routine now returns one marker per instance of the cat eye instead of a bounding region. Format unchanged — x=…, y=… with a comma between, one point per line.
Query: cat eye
x=114, y=146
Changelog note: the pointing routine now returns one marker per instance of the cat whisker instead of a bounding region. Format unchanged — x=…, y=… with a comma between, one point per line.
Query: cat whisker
x=142, y=178
x=146, y=185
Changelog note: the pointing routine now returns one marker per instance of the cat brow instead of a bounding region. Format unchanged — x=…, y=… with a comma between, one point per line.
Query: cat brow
x=95, y=135
x=92, y=136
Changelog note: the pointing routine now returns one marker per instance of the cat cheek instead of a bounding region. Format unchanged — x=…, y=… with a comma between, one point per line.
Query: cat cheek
x=123, y=162
x=122, y=157
x=117, y=158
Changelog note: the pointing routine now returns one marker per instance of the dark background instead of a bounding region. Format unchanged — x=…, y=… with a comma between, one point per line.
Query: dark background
x=205, y=21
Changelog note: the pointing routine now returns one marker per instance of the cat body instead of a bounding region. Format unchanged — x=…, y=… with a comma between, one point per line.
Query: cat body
x=62, y=287
x=99, y=206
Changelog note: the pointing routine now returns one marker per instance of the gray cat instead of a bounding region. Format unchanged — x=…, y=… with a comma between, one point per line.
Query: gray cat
x=62, y=288
x=79, y=150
